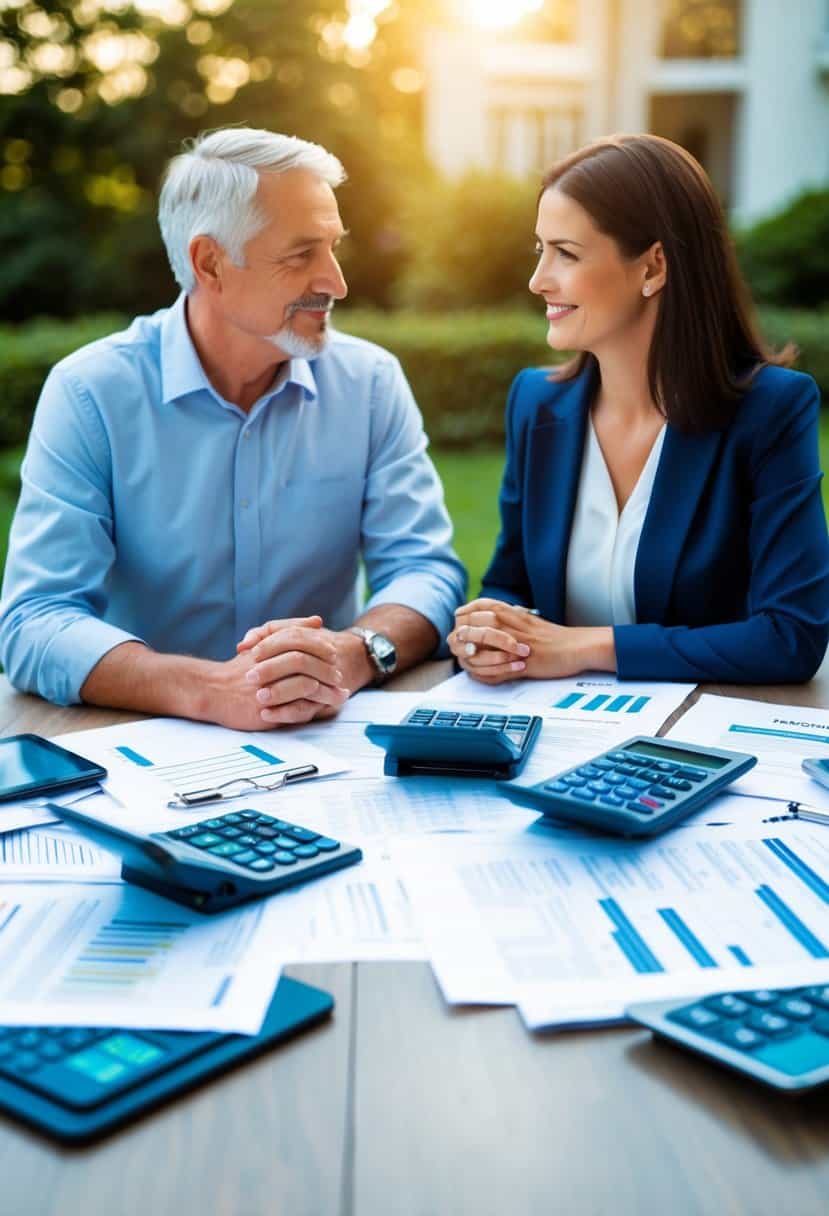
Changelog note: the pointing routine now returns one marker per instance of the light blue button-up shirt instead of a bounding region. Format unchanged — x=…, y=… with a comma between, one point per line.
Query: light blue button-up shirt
x=152, y=509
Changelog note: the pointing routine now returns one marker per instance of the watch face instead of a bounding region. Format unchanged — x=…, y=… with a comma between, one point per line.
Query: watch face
x=383, y=651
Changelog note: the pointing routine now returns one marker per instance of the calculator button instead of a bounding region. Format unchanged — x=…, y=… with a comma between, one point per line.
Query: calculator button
x=183, y=833
x=740, y=1036
x=695, y=1016
x=760, y=996
x=690, y=774
x=248, y=814
x=284, y=842
x=243, y=859
x=470, y=719
x=520, y=720
x=25, y=1062
x=326, y=845
x=248, y=840
x=79, y=1037
x=266, y=833
x=818, y=996
x=266, y=821
x=228, y=848
x=794, y=1007
x=50, y=1050
x=638, y=784
x=729, y=1005
x=663, y=766
x=29, y=1039
x=599, y=787
x=212, y=824
x=306, y=850
x=619, y=757
x=604, y=765
x=675, y=783
x=266, y=847
x=585, y=795
x=659, y=791
x=261, y=864
x=587, y=770
x=640, y=808
x=556, y=787
x=611, y=800
x=282, y=858
x=653, y=803
x=232, y=818
x=573, y=779
x=230, y=833
x=769, y=1023
x=205, y=840
x=303, y=834
x=627, y=770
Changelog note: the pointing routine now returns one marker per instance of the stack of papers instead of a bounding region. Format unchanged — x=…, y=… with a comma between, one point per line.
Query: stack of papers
x=567, y=926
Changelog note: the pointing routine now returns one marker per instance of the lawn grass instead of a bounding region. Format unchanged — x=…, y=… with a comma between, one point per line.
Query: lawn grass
x=470, y=479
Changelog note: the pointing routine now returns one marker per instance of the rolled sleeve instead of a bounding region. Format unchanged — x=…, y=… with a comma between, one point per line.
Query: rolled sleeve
x=406, y=531
x=61, y=551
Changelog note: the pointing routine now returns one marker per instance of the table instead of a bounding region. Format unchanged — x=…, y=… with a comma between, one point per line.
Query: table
x=401, y=1107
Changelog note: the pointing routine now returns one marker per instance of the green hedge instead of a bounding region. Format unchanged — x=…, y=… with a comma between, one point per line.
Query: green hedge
x=460, y=365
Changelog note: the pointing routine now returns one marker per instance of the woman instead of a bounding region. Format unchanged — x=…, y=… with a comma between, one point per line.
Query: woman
x=660, y=507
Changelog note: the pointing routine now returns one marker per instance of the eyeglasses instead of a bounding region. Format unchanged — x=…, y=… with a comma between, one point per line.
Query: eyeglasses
x=216, y=793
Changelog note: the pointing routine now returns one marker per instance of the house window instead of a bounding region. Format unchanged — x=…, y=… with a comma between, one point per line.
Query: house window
x=701, y=29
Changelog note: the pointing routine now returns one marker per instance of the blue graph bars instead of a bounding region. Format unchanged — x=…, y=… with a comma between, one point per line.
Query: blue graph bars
x=792, y=923
x=741, y=956
x=130, y=754
x=616, y=706
x=688, y=938
x=633, y=946
x=799, y=867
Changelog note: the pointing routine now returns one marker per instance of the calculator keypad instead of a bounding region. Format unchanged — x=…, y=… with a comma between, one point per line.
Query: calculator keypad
x=627, y=780
x=259, y=843
x=517, y=726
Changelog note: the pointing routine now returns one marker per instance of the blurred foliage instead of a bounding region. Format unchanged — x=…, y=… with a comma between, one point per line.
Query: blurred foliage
x=471, y=243
x=83, y=146
x=786, y=258
x=460, y=365
x=701, y=29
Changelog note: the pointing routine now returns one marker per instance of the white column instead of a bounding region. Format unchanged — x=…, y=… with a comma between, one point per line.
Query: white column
x=455, y=103
x=783, y=126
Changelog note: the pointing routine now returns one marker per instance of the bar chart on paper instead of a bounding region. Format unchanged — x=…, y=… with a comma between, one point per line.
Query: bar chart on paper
x=563, y=921
x=602, y=702
x=115, y=955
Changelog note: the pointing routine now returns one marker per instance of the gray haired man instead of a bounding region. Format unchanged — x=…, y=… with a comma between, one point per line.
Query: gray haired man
x=199, y=489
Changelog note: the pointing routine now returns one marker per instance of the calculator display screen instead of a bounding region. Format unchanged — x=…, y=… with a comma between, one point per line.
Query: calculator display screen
x=680, y=757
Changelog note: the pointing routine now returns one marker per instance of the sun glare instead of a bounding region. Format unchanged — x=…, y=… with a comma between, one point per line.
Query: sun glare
x=499, y=14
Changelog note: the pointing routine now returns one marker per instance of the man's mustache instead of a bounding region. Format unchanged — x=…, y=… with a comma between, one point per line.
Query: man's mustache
x=311, y=303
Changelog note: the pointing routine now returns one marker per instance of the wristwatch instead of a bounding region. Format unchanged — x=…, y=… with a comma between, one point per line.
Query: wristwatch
x=381, y=651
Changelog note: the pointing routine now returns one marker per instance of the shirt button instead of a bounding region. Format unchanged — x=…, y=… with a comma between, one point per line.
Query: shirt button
x=244, y=503
x=246, y=434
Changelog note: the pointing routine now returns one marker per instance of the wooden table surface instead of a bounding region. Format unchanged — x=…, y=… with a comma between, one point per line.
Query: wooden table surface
x=401, y=1107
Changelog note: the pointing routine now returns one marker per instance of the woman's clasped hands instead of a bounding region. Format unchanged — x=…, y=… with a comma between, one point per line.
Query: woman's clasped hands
x=495, y=642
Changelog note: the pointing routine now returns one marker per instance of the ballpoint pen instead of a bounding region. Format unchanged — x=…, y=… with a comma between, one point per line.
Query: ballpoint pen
x=799, y=810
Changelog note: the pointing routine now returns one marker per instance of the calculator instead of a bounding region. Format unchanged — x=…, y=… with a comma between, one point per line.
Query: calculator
x=640, y=788
x=221, y=861
x=456, y=743
x=778, y=1037
x=77, y=1083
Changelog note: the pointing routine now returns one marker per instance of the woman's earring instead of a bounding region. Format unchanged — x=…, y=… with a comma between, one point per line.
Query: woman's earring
x=646, y=291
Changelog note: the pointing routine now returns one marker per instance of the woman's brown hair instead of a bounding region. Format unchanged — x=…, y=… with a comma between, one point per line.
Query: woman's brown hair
x=706, y=348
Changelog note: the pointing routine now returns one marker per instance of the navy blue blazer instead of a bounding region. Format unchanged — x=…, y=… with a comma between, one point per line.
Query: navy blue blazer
x=732, y=571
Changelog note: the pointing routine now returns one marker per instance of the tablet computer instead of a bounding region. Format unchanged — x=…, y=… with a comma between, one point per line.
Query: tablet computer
x=31, y=766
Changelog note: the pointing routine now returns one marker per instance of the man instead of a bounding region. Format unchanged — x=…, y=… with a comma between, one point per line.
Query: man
x=226, y=462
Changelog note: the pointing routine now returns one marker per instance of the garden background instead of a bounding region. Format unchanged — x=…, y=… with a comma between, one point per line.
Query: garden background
x=96, y=95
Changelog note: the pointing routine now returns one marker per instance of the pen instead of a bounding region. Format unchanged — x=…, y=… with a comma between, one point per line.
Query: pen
x=799, y=810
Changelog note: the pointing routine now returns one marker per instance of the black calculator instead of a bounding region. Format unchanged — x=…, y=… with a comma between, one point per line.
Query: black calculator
x=456, y=743
x=779, y=1037
x=77, y=1083
x=221, y=861
x=639, y=788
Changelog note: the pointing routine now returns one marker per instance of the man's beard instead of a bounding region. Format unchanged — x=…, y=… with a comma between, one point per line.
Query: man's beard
x=294, y=344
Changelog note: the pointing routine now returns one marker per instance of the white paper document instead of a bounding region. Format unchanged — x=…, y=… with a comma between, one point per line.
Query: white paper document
x=573, y=928
x=780, y=736
x=59, y=855
x=344, y=737
x=373, y=813
x=24, y=813
x=121, y=956
x=150, y=762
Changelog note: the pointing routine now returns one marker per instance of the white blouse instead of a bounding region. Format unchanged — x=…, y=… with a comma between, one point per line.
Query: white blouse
x=603, y=543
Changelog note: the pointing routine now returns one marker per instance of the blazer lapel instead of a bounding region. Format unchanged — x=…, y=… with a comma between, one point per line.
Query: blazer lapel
x=684, y=468
x=554, y=467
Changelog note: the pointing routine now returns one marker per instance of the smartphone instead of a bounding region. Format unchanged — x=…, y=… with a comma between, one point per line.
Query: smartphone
x=31, y=766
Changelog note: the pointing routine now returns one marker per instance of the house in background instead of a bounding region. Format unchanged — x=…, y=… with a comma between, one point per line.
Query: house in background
x=743, y=84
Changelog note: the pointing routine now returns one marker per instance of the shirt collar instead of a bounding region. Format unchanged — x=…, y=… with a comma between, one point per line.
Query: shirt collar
x=182, y=372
